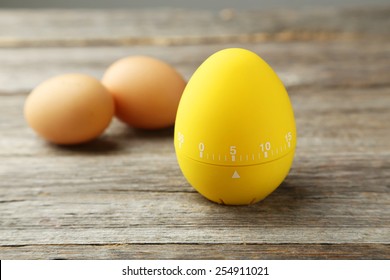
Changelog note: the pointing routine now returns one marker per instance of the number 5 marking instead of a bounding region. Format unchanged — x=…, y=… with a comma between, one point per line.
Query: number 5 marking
x=233, y=152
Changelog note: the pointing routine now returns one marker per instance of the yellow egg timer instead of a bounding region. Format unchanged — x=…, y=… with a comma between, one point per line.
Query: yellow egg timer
x=235, y=132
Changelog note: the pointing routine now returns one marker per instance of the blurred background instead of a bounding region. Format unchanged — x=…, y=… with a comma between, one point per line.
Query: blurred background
x=131, y=26
x=199, y=4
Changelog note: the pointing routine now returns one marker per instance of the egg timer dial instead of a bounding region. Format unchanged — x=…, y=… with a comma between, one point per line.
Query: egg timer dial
x=235, y=132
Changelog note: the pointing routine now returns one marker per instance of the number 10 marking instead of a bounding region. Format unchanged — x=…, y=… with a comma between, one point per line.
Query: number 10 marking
x=265, y=147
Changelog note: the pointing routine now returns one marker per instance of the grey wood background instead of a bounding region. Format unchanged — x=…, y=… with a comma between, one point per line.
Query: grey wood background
x=123, y=196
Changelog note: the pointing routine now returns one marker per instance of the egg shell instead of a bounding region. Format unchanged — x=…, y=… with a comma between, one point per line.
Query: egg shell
x=146, y=91
x=235, y=132
x=69, y=109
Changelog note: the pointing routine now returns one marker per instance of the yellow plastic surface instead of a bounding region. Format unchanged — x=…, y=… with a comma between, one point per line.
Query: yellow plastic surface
x=235, y=132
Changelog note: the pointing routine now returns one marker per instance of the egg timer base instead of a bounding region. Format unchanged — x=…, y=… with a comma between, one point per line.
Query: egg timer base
x=235, y=185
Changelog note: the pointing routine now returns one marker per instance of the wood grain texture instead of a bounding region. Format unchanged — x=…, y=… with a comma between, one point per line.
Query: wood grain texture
x=201, y=251
x=123, y=196
x=176, y=27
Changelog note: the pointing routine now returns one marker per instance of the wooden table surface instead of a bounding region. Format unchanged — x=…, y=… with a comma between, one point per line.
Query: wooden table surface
x=123, y=196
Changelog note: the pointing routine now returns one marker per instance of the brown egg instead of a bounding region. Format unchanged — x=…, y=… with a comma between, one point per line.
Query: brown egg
x=146, y=91
x=69, y=109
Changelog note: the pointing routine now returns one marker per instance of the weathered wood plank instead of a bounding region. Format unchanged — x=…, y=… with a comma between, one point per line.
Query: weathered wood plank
x=190, y=234
x=173, y=27
x=198, y=251
x=303, y=64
